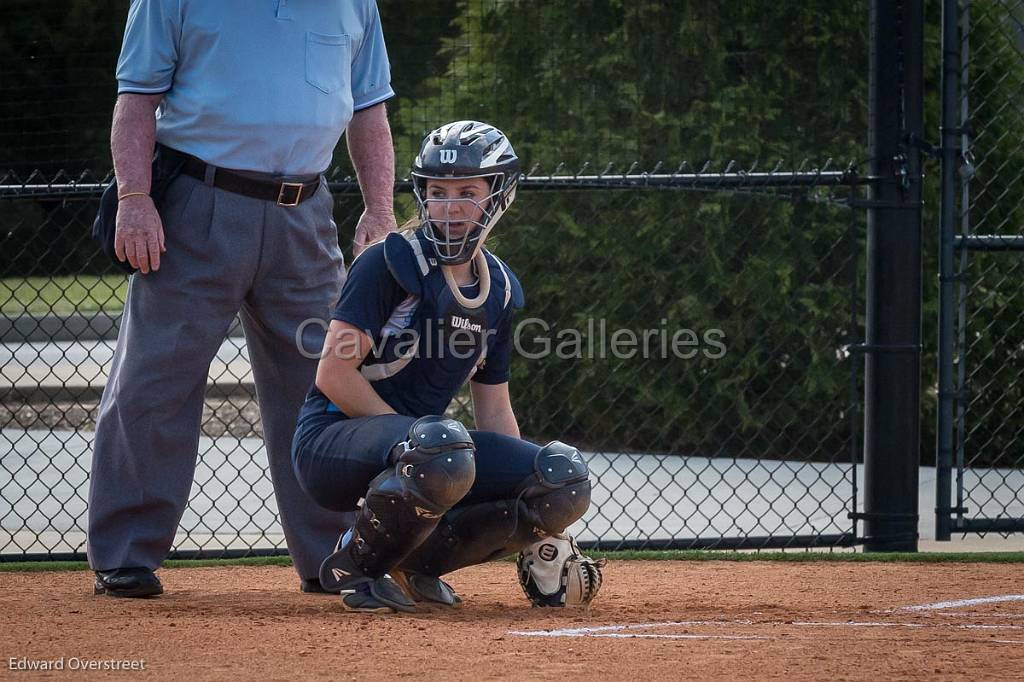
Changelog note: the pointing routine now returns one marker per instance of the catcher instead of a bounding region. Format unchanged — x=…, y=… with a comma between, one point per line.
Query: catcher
x=421, y=312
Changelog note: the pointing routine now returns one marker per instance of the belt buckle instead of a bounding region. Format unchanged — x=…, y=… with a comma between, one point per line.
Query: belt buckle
x=285, y=186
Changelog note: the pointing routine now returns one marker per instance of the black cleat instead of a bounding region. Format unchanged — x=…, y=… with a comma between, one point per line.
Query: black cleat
x=313, y=586
x=380, y=595
x=360, y=592
x=423, y=587
x=128, y=582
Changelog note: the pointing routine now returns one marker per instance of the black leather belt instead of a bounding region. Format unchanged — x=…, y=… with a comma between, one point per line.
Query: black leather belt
x=282, y=193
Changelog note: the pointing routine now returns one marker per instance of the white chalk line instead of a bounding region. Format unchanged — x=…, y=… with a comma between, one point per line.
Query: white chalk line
x=963, y=602
x=570, y=632
x=623, y=631
x=882, y=624
x=616, y=631
x=628, y=635
x=977, y=614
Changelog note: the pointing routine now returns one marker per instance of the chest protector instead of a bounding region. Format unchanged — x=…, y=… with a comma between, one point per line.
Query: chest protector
x=447, y=328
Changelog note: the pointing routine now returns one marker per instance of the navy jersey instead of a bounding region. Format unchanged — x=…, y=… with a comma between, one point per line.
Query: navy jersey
x=425, y=344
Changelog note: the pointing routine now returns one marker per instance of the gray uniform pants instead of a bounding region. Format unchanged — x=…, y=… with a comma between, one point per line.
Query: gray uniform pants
x=225, y=253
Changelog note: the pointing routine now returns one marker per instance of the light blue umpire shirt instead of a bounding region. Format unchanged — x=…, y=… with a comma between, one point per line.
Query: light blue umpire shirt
x=256, y=85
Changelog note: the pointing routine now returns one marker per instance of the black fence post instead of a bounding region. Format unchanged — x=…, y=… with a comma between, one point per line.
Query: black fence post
x=893, y=324
x=947, y=216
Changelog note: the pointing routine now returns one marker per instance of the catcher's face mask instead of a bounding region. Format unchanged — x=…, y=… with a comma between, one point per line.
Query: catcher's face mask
x=456, y=215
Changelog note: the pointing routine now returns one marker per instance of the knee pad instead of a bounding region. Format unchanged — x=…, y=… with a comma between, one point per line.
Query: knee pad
x=558, y=493
x=432, y=470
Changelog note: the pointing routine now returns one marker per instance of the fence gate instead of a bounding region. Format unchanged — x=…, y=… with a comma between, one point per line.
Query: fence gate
x=980, y=477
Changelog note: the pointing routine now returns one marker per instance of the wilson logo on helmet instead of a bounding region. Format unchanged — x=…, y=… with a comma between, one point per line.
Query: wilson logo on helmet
x=449, y=155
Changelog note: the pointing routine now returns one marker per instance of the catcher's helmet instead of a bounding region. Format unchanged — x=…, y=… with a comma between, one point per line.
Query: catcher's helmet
x=465, y=149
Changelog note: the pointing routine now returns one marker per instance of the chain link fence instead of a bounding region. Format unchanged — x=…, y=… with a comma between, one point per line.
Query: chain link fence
x=727, y=414
x=989, y=342
x=687, y=330
x=756, y=448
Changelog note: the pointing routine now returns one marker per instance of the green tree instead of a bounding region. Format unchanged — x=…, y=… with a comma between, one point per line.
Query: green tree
x=649, y=82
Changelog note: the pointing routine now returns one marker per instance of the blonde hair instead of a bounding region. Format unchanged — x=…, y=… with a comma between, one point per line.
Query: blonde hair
x=409, y=226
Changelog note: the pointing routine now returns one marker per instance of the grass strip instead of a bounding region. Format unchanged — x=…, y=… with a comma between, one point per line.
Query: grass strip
x=62, y=295
x=632, y=555
x=817, y=556
x=39, y=566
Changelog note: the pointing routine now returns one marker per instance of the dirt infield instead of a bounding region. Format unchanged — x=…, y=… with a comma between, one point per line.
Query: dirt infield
x=652, y=621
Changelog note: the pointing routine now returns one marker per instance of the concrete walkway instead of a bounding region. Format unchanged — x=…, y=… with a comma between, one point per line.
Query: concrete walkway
x=76, y=365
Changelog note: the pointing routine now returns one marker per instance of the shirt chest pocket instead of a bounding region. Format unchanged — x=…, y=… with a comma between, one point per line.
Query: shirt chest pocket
x=328, y=61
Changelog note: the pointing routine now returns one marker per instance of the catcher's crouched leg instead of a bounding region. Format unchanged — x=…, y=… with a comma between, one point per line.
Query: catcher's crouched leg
x=432, y=471
x=549, y=501
x=552, y=570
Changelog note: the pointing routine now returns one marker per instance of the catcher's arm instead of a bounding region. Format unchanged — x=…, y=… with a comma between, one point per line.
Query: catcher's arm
x=492, y=408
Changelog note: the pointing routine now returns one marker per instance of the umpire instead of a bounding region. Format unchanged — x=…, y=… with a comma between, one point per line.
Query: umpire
x=246, y=102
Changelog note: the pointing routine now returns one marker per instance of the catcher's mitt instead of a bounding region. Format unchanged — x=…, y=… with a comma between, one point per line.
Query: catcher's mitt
x=553, y=572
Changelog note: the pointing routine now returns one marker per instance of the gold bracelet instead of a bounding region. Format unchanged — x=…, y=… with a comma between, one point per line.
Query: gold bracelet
x=133, y=194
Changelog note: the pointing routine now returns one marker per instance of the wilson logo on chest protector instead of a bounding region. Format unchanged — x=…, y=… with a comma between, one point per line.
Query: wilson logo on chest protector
x=465, y=323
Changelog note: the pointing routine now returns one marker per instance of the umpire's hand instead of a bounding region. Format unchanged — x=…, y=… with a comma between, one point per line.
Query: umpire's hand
x=139, y=238
x=372, y=227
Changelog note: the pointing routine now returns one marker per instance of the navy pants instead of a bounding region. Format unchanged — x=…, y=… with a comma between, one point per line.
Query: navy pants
x=335, y=458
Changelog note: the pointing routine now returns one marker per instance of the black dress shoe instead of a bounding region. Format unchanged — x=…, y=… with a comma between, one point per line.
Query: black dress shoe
x=313, y=586
x=128, y=582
